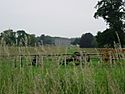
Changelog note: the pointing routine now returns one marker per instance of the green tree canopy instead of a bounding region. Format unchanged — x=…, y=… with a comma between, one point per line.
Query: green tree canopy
x=8, y=37
x=87, y=41
x=113, y=12
x=75, y=41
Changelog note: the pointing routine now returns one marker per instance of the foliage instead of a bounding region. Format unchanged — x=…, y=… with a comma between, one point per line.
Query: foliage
x=43, y=39
x=8, y=37
x=87, y=41
x=21, y=38
x=75, y=41
x=51, y=78
x=31, y=39
x=107, y=38
x=113, y=12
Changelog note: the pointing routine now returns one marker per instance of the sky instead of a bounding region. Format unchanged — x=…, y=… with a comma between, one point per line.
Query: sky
x=62, y=18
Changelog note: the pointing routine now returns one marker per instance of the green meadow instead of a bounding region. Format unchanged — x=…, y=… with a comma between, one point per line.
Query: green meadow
x=18, y=76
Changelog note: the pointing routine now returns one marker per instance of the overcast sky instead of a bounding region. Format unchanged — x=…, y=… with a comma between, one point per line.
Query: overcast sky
x=64, y=18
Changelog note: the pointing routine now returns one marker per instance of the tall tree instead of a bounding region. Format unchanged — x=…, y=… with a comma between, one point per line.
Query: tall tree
x=113, y=12
x=31, y=39
x=8, y=36
x=87, y=41
x=22, y=38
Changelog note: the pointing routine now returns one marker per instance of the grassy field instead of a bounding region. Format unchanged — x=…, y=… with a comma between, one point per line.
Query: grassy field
x=17, y=76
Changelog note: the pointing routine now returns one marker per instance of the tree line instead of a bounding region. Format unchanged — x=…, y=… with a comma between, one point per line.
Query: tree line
x=21, y=38
x=112, y=11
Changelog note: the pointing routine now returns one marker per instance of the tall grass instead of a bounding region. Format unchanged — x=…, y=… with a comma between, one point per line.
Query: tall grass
x=52, y=78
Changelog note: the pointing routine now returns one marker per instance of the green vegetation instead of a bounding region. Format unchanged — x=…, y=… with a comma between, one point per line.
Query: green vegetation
x=113, y=12
x=19, y=77
x=21, y=38
x=88, y=41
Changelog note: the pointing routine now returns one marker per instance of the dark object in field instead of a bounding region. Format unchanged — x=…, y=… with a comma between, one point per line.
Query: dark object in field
x=76, y=57
x=88, y=58
x=81, y=57
x=34, y=61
